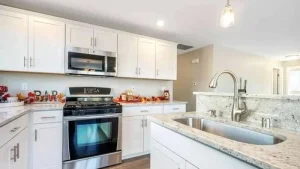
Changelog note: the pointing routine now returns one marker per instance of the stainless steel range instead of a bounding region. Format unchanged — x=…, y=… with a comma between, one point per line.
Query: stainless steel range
x=92, y=133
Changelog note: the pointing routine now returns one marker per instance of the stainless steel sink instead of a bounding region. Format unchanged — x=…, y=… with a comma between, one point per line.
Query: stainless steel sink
x=230, y=132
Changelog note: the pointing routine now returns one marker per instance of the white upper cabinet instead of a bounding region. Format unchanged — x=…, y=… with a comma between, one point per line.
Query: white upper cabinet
x=13, y=41
x=146, y=58
x=127, y=55
x=166, y=61
x=46, y=45
x=105, y=40
x=79, y=36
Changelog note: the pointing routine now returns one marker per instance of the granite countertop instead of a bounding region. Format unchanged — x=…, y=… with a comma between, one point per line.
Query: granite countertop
x=11, y=113
x=263, y=96
x=285, y=155
x=152, y=103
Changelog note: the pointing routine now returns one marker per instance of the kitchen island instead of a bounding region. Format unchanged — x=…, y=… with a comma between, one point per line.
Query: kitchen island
x=191, y=148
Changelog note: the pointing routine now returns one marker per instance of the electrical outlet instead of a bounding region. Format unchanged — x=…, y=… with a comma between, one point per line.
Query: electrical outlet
x=133, y=88
x=24, y=86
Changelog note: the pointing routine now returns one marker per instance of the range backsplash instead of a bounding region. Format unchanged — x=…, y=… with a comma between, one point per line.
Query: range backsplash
x=284, y=113
x=60, y=83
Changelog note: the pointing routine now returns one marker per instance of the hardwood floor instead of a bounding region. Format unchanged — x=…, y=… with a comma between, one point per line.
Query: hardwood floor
x=135, y=163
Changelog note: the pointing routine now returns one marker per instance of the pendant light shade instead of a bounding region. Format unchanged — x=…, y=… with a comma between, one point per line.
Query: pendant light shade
x=227, y=18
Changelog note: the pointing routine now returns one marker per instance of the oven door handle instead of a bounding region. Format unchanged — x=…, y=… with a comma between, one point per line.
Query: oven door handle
x=74, y=118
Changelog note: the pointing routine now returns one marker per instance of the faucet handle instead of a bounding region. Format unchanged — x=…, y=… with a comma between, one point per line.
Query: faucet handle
x=213, y=113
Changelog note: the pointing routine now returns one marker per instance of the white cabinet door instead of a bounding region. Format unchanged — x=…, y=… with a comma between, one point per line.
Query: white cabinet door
x=14, y=154
x=47, y=146
x=190, y=166
x=46, y=45
x=147, y=134
x=127, y=55
x=78, y=36
x=132, y=135
x=166, y=61
x=13, y=41
x=162, y=158
x=21, y=143
x=105, y=41
x=5, y=154
x=146, y=58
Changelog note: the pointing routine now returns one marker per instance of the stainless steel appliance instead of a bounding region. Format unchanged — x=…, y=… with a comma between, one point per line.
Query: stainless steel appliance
x=82, y=61
x=92, y=129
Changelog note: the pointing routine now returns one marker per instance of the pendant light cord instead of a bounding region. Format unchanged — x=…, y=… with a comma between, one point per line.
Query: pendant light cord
x=227, y=2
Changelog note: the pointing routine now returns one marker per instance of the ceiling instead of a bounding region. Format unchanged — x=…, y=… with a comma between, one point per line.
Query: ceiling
x=265, y=27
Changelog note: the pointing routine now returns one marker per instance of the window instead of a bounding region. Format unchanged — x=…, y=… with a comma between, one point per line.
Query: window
x=293, y=75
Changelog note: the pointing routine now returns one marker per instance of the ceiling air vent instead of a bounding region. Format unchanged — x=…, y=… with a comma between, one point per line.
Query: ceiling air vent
x=183, y=47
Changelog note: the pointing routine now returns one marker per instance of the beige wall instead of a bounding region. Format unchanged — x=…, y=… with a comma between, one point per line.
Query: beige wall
x=256, y=69
x=189, y=73
x=61, y=82
x=286, y=65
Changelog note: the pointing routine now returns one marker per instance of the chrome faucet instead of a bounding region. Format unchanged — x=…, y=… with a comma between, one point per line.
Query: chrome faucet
x=236, y=110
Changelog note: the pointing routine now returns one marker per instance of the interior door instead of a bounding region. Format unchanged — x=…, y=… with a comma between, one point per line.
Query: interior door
x=162, y=158
x=46, y=45
x=127, y=55
x=146, y=58
x=47, y=146
x=132, y=135
x=79, y=36
x=105, y=41
x=14, y=41
x=166, y=59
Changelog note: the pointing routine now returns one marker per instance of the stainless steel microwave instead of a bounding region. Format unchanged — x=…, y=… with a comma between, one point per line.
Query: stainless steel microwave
x=82, y=61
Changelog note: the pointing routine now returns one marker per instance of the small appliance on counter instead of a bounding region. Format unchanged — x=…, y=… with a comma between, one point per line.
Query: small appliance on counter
x=92, y=129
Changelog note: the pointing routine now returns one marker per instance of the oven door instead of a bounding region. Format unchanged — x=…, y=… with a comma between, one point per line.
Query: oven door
x=89, y=136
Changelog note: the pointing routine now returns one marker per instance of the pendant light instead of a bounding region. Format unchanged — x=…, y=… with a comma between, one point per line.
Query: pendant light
x=227, y=18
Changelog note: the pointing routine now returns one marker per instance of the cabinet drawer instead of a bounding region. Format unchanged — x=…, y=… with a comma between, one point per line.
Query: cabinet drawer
x=142, y=110
x=47, y=117
x=11, y=129
x=175, y=108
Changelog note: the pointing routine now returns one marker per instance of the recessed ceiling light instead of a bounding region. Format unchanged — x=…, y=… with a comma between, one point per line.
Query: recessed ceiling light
x=160, y=23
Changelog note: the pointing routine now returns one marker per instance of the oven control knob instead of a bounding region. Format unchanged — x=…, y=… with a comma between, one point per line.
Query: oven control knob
x=112, y=111
x=74, y=112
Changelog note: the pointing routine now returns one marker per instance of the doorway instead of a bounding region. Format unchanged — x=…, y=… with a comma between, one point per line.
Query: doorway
x=276, y=81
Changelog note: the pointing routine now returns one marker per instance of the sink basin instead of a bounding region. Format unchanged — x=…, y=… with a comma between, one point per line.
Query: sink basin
x=230, y=132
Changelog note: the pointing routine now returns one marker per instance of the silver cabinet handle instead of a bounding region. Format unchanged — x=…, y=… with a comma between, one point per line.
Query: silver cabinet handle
x=35, y=134
x=144, y=111
x=31, y=65
x=95, y=43
x=91, y=41
x=24, y=61
x=18, y=151
x=142, y=123
x=157, y=72
x=14, y=129
x=136, y=71
x=139, y=71
x=48, y=117
x=175, y=108
x=146, y=122
x=14, y=153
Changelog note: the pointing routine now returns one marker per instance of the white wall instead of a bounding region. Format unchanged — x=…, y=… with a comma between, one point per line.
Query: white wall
x=188, y=73
x=256, y=69
x=61, y=82
x=286, y=65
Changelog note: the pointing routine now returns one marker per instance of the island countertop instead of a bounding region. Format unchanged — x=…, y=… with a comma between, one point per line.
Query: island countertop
x=285, y=155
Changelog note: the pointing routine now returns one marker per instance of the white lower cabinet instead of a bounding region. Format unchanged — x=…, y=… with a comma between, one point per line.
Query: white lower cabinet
x=162, y=158
x=47, y=146
x=132, y=134
x=14, y=154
